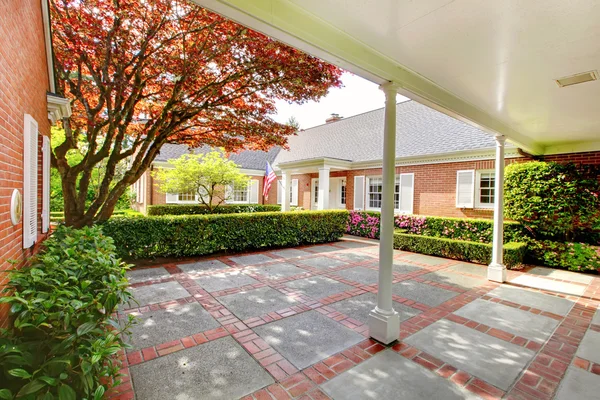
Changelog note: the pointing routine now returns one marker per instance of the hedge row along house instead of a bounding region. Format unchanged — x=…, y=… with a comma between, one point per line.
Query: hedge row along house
x=443, y=167
x=28, y=107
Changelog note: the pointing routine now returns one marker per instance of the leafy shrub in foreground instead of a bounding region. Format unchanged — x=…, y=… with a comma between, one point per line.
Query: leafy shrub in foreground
x=193, y=235
x=199, y=209
x=514, y=252
x=567, y=255
x=64, y=339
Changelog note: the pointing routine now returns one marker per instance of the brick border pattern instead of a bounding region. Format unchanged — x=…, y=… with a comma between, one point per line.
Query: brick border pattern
x=544, y=374
x=293, y=384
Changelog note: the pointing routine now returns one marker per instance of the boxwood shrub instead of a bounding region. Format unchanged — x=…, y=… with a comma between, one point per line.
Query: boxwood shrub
x=64, y=338
x=514, y=252
x=194, y=235
x=200, y=209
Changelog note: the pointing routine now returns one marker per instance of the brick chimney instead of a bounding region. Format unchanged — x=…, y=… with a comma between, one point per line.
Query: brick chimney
x=334, y=117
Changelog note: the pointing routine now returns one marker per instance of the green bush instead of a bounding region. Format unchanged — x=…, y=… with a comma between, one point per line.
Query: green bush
x=567, y=255
x=64, y=338
x=199, y=209
x=514, y=252
x=554, y=201
x=194, y=235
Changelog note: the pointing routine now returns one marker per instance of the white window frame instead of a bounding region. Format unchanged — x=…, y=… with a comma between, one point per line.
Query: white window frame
x=232, y=190
x=397, y=182
x=343, y=192
x=477, y=195
x=368, y=192
x=173, y=198
x=293, y=192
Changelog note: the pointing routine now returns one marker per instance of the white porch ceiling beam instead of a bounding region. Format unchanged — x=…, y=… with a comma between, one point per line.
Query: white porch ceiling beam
x=291, y=24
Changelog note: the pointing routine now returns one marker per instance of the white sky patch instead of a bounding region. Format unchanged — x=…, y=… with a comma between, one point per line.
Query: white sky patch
x=357, y=96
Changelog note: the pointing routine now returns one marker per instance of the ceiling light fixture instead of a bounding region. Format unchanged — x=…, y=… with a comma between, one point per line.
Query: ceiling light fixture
x=577, y=78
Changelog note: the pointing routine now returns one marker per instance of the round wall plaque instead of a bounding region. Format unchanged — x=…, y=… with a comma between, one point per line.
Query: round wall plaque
x=16, y=207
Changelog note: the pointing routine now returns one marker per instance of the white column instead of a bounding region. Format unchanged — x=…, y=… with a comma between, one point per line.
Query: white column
x=497, y=270
x=323, y=201
x=286, y=181
x=384, y=323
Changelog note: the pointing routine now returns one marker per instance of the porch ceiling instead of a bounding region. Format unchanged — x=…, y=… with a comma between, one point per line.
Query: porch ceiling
x=492, y=64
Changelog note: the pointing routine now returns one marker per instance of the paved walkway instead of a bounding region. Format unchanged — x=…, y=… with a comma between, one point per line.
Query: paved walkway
x=292, y=324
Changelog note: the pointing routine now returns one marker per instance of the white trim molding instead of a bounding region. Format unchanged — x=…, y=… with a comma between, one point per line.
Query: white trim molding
x=58, y=108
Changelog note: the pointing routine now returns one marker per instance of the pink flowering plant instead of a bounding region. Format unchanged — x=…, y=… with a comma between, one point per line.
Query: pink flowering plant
x=366, y=224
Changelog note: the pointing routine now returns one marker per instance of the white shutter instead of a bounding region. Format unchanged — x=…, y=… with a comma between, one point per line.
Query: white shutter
x=407, y=188
x=359, y=192
x=228, y=193
x=294, y=201
x=30, y=181
x=253, y=191
x=142, y=188
x=279, y=192
x=465, y=188
x=172, y=198
x=45, y=184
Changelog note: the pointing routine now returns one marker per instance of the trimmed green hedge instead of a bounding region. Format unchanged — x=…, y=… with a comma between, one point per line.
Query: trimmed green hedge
x=194, y=235
x=200, y=209
x=514, y=252
x=59, y=216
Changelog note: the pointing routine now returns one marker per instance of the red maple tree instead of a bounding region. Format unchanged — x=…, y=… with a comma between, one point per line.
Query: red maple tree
x=142, y=73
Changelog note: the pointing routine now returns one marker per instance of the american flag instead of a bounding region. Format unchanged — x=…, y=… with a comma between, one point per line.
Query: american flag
x=267, y=180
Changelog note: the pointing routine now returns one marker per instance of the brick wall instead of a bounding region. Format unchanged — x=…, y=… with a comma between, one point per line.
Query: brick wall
x=23, y=87
x=586, y=158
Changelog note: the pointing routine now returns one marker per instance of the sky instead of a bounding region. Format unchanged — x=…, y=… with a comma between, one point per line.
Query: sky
x=355, y=97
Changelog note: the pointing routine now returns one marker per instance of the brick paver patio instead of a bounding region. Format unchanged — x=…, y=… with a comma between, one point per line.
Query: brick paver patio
x=291, y=323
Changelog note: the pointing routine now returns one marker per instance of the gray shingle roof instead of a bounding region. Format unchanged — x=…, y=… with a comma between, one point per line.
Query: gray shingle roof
x=247, y=159
x=421, y=131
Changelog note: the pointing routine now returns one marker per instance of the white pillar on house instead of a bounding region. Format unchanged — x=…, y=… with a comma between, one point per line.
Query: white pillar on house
x=497, y=270
x=384, y=323
x=286, y=182
x=323, y=200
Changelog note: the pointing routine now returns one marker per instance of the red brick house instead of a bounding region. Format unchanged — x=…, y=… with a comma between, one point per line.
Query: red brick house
x=28, y=108
x=444, y=167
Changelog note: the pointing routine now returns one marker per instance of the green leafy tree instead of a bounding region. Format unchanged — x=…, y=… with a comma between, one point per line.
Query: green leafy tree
x=97, y=175
x=293, y=122
x=552, y=200
x=205, y=175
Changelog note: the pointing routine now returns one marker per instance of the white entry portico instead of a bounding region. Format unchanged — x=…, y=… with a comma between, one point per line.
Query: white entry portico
x=326, y=192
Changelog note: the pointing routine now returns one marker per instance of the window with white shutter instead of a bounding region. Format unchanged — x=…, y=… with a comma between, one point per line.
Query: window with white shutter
x=406, y=188
x=294, y=193
x=465, y=188
x=30, y=181
x=172, y=198
x=253, y=187
x=359, y=192
x=279, y=192
x=45, y=184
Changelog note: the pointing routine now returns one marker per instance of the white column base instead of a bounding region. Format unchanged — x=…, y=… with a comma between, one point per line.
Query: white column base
x=496, y=273
x=384, y=328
